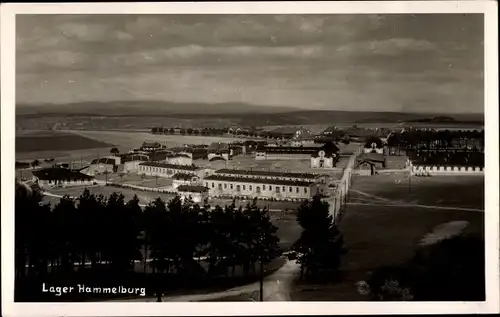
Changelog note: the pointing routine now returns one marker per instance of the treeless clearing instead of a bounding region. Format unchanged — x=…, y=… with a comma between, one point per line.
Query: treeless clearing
x=128, y=140
x=55, y=141
x=384, y=230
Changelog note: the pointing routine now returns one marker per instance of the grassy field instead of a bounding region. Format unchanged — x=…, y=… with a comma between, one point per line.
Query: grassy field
x=127, y=140
x=54, y=141
x=87, y=145
x=385, y=229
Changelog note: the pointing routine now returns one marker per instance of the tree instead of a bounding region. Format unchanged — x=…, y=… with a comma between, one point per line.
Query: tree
x=156, y=233
x=114, y=151
x=35, y=163
x=260, y=236
x=320, y=245
x=65, y=243
x=32, y=232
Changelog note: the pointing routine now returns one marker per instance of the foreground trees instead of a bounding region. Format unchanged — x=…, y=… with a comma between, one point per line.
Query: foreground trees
x=108, y=234
x=321, y=245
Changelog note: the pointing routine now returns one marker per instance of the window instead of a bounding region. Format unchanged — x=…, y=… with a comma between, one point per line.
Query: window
x=231, y=186
x=225, y=185
x=290, y=189
x=250, y=187
x=244, y=187
x=220, y=186
x=238, y=188
x=258, y=189
x=263, y=187
x=206, y=184
x=277, y=189
x=297, y=190
x=284, y=190
x=213, y=185
x=305, y=190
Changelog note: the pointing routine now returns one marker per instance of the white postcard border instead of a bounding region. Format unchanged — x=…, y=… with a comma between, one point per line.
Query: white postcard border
x=491, y=305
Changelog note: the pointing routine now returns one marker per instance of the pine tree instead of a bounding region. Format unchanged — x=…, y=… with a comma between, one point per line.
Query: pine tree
x=321, y=245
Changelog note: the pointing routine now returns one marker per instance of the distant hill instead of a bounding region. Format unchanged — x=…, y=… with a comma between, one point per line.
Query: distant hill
x=128, y=114
x=152, y=108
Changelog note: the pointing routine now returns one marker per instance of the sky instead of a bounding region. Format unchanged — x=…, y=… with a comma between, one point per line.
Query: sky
x=408, y=63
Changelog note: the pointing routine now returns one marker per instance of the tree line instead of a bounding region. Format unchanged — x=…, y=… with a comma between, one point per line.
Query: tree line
x=435, y=140
x=94, y=231
x=181, y=239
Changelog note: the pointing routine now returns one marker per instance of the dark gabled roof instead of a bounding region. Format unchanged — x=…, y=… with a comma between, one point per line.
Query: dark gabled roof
x=175, y=155
x=289, y=149
x=329, y=148
x=218, y=147
x=192, y=189
x=217, y=158
x=255, y=180
x=447, y=158
x=104, y=160
x=266, y=173
x=148, y=144
x=134, y=157
x=58, y=173
x=172, y=166
x=183, y=176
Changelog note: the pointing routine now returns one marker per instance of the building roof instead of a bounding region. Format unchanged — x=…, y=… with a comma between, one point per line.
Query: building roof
x=267, y=173
x=255, y=180
x=59, y=173
x=183, y=176
x=175, y=155
x=289, y=149
x=217, y=158
x=150, y=144
x=218, y=147
x=104, y=160
x=329, y=148
x=172, y=166
x=372, y=157
x=473, y=159
x=134, y=157
x=192, y=189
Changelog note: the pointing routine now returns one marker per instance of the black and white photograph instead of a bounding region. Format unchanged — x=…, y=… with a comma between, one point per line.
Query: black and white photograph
x=240, y=156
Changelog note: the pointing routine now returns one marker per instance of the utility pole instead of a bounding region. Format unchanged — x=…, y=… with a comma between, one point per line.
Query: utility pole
x=261, y=270
x=409, y=182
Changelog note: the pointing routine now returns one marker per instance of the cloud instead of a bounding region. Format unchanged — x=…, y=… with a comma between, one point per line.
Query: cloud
x=337, y=61
x=390, y=47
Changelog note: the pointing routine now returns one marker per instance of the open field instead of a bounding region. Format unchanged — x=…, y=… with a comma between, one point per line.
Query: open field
x=128, y=140
x=382, y=225
x=38, y=141
x=87, y=145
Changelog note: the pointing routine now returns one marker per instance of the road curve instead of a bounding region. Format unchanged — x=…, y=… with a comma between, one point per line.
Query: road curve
x=276, y=288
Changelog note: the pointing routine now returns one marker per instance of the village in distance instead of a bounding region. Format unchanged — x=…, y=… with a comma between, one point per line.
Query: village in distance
x=242, y=210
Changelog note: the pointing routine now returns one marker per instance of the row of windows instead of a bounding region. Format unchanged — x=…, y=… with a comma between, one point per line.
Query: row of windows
x=158, y=170
x=257, y=188
x=268, y=177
